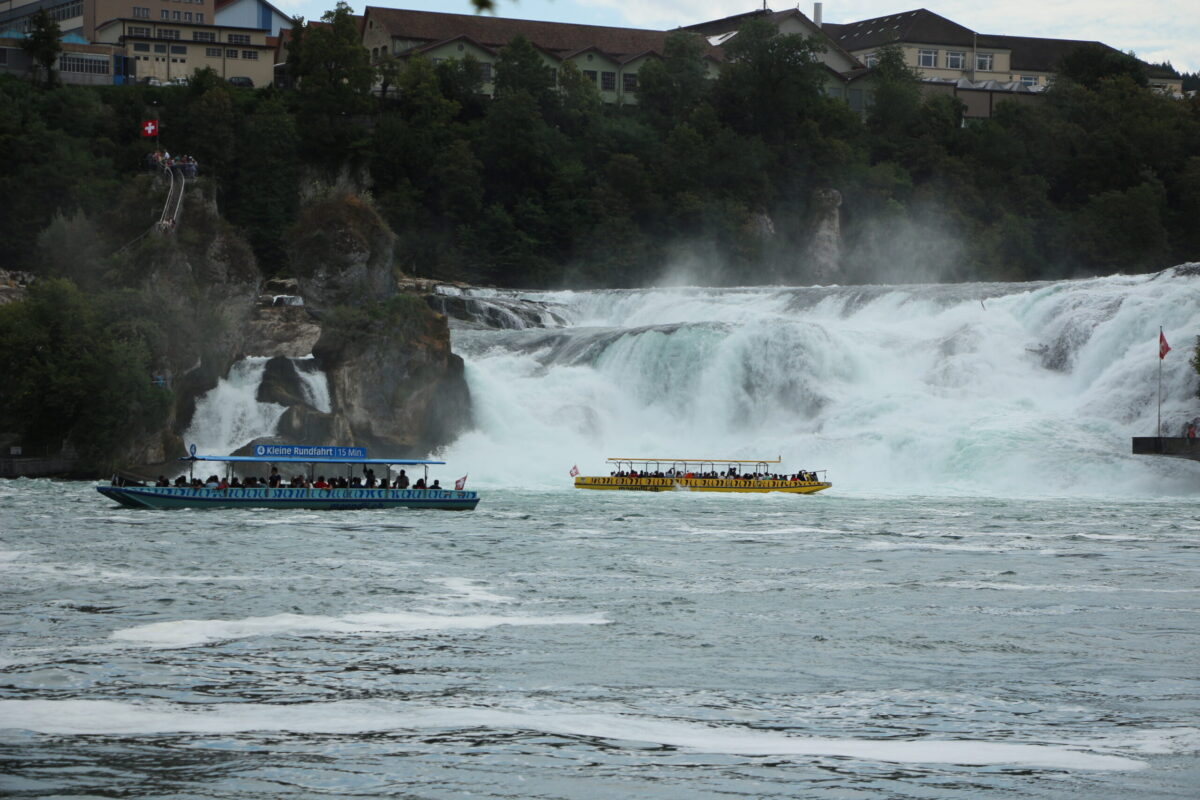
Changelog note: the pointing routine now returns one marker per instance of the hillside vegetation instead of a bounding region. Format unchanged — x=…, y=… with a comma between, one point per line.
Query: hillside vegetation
x=544, y=185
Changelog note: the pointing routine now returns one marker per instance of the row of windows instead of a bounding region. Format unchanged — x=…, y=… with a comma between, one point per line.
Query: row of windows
x=955, y=59
x=608, y=80
x=67, y=11
x=215, y=52
x=197, y=36
x=71, y=62
x=175, y=16
x=181, y=50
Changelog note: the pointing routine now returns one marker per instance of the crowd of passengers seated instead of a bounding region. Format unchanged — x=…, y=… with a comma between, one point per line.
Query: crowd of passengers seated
x=732, y=474
x=276, y=481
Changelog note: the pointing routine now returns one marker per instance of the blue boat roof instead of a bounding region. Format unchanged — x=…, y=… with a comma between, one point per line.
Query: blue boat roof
x=309, y=460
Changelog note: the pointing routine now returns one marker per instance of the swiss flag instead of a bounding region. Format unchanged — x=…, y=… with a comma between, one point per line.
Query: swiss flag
x=460, y=483
x=150, y=129
x=574, y=471
x=1163, y=347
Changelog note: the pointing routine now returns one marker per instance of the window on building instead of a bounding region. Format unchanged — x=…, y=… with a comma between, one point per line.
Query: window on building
x=485, y=72
x=160, y=48
x=239, y=38
x=212, y=52
x=203, y=36
x=137, y=30
x=983, y=61
x=608, y=81
x=231, y=53
x=66, y=11
x=175, y=15
x=187, y=16
x=179, y=49
x=1029, y=80
x=927, y=58
x=166, y=14
x=141, y=13
x=167, y=34
x=70, y=62
x=629, y=82
x=591, y=75
x=141, y=47
x=250, y=54
x=956, y=59
x=200, y=18
x=871, y=60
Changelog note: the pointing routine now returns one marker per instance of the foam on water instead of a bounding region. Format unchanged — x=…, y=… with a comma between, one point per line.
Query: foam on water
x=192, y=632
x=76, y=717
x=977, y=389
x=230, y=416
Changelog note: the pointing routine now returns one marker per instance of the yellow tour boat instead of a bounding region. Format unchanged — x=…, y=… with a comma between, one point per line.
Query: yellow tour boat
x=701, y=475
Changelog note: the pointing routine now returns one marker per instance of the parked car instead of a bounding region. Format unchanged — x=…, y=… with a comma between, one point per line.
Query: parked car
x=242, y=81
x=178, y=81
x=151, y=81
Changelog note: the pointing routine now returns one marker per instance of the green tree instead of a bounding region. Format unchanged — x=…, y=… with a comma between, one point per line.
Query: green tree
x=897, y=93
x=42, y=44
x=522, y=69
x=69, y=379
x=1089, y=64
x=671, y=87
x=771, y=83
x=334, y=79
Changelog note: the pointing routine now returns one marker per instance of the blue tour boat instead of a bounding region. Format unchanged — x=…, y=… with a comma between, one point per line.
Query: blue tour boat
x=262, y=495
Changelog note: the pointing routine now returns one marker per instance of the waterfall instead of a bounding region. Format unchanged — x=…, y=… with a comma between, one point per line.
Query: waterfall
x=314, y=382
x=983, y=389
x=228, y=416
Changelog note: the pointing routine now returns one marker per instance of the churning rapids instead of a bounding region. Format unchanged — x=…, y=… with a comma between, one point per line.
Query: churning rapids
x=994, y=600
x=980, y=389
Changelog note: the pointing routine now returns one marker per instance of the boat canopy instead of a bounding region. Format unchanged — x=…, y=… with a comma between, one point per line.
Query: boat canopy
x=308, y=460
x=703, y=460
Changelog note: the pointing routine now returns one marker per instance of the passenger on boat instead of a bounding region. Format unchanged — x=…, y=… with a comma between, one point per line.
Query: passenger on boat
x=181, y=481
x=222, y=484
x=162, y=481
x=402, y=480
x=321, y=483
x=274, y=479
x=420, y=484
x=235, y=483
x=370, y=473
x=212, y=482
x=436, y=485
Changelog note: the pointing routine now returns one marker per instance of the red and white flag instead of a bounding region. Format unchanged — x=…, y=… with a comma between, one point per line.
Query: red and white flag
x=460, y=483
x=574, y=471
x=1163, y=347
x=150, y=129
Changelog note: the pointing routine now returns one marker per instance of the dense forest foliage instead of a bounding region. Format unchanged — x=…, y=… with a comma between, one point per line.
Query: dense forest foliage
x=545, y=185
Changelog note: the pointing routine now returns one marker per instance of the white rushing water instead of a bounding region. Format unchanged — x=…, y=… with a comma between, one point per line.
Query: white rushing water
x=314, y=382
x=1029, y=389
x=230, y=416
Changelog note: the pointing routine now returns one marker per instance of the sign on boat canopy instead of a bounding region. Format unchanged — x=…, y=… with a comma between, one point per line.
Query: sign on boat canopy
x=308, y=451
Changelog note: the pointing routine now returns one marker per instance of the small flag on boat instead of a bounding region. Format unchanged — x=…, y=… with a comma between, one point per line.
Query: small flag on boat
x=574, y=471
x=460, y=483
x=149, y=129
x=1163, y=347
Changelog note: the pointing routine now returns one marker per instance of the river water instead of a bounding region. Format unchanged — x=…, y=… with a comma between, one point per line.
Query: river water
x=567, y=644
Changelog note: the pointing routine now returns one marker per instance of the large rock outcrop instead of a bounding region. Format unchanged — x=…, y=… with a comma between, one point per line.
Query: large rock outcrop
x=394, y=385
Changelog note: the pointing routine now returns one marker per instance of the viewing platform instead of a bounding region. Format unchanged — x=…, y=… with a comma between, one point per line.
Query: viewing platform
x=1172, y=446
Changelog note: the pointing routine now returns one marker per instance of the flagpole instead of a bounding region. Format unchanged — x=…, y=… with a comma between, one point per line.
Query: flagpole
x=1160, y=360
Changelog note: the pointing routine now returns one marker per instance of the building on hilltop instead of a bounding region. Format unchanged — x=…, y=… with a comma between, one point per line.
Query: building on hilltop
x=949, y=54
x=151, y=39
x=609, y=57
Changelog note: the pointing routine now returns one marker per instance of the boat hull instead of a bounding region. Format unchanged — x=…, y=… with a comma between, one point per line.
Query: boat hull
x=698, y=485
x=169, y=497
